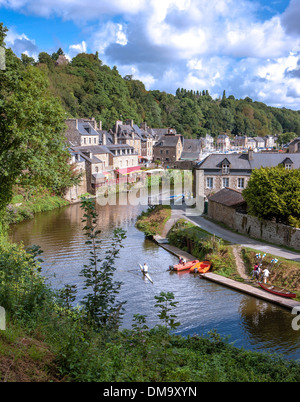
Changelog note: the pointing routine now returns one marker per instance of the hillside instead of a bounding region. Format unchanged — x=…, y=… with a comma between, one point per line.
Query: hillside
x=87, y=87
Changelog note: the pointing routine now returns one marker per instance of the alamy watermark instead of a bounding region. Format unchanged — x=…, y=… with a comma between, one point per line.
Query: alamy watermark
x=296, y=320
x=2, y=319
x=2, y=58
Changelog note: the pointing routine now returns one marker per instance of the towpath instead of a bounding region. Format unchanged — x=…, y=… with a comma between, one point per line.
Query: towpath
x=238, y=241
x=230, y=236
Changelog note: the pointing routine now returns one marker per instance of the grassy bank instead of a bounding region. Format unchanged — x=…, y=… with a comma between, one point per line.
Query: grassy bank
x=47, y=338
x=24, y=207
x=153, y=221
x=45, y=341
x=204, y=246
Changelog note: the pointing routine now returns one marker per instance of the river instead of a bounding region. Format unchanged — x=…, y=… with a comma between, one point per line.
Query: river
x=203, y=306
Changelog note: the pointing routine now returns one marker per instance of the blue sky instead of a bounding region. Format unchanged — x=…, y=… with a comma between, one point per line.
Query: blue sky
x=248, y=48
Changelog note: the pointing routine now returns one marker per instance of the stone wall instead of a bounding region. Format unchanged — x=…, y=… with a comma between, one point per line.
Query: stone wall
x=272, y=232
x=268, y=231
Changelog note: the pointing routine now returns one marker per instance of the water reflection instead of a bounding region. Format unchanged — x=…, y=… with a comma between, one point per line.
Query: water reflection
x=203, y=305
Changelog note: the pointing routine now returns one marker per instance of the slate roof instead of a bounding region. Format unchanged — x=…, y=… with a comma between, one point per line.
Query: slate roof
x=228, y=197
x=191, y=149
x=83, y=127
x=167, y=141
x=242, y=162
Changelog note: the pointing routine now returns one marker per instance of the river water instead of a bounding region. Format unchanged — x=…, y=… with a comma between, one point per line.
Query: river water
x=203, y=306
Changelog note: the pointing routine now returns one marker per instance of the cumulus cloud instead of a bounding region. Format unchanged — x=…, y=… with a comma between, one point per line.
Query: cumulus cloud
x=197, y=44
x=291, y=17
x=21, y=44
x=76, y=10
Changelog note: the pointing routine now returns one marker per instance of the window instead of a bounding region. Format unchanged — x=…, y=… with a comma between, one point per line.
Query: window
x=241, y=183
x=225, y=182
x=209, y=182
x=95, y=139
x=161, y=151
x=90, y=140
x=96, y=169
x=225, y=169
x=288, y=166
x=84, y=140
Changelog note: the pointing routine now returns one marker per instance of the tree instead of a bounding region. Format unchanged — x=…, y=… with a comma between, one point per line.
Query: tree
x=102, y=309
x=3, y=31
x=274, y=193
x=33, y=148
x=26, y=60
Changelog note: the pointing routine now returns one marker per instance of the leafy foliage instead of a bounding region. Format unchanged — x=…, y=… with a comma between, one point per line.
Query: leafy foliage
x=274, y=193
x=86, y=87
x=102, y=309
x=33, y=151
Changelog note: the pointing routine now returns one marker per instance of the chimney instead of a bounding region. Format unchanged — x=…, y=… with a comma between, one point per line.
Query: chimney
x=250, y=154
x=115, y=138
x=144, y=126
x=76, y=124
x=100, y=125
x=129, y=122
x=103, y=138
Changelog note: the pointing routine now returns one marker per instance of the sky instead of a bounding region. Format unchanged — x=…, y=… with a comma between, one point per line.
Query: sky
x=245, y=47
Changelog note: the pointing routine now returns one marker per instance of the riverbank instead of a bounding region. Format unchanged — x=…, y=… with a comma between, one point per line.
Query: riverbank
x=139, y=354
x=188, y=236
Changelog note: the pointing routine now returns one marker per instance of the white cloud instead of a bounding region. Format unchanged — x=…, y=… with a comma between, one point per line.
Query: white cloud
x=108, y=34
x=197, y=44
x=20, y=43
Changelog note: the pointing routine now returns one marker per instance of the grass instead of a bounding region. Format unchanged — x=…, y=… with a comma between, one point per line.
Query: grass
x=152, y=222
x=21, y=208
x=25, y=359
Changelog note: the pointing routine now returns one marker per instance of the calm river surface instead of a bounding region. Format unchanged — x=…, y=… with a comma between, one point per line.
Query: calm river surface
x=249, y=323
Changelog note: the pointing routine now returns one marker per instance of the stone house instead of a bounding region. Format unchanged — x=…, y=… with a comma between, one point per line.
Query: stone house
x=241, y=141
x=223, y=205
x=260, y=142
x=128, y=134
x=218, y=171
x=223, y=142
x=82, y=132
x=168, y=148
x=294, y=146
x=192, y=149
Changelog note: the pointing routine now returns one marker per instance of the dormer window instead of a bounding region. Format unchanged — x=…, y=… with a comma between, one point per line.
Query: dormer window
x=225, y=166
x=225, y=169
x=288, y=163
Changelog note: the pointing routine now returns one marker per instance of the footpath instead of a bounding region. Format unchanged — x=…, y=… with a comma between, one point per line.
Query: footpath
x=235, y=239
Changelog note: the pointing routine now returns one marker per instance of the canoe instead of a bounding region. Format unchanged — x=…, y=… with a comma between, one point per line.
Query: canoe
x=186, y=266
x=201, y=267
x=146, y=274
x=277, y=290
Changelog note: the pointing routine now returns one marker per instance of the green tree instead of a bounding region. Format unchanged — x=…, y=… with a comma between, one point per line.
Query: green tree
x=102, y=309
x=274, y=193
x=33, y=148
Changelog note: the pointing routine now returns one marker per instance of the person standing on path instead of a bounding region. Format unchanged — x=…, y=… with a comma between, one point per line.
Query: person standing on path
x=266, y=274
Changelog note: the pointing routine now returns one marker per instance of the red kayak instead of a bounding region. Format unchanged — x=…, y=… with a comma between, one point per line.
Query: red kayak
x=187, y=265
x=276, y=290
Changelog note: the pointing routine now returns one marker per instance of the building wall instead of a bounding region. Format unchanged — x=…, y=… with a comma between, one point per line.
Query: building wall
x=221, y=213
x=218, y=182
x=123, y=161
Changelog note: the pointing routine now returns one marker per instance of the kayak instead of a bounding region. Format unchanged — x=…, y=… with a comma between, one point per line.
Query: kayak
x=146, y=274
x=187, y=265
x=201, y=267
x=277, y=290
